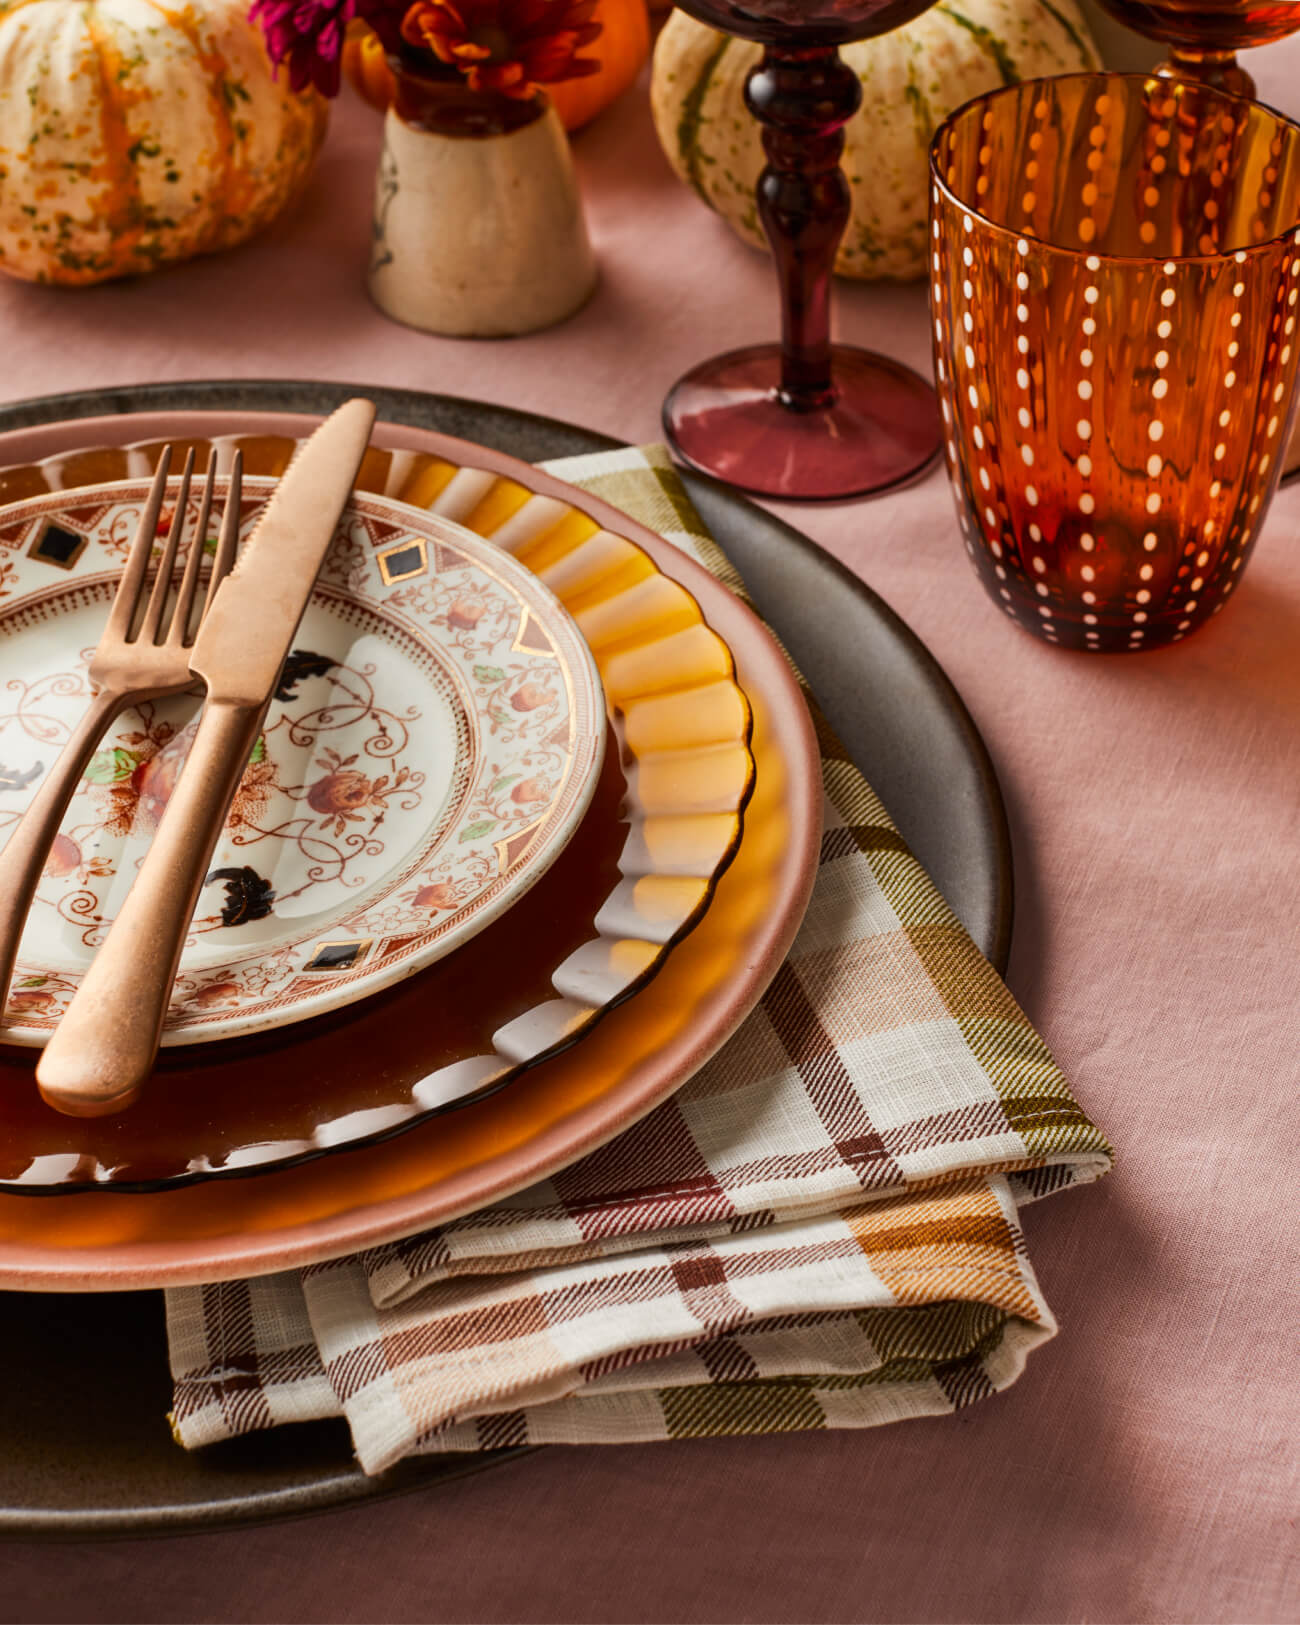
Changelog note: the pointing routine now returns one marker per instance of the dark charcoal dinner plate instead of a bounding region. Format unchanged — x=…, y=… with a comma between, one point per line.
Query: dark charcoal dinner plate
x=84, y=1389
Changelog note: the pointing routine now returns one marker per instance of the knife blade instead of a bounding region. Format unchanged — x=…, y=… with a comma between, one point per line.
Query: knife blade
x=246, y=634
x=104, y=1048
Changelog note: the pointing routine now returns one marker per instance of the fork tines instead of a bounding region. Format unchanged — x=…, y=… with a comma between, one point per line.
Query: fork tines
x=180, y=627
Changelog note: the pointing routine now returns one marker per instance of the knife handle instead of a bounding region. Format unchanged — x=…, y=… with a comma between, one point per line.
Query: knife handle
x=104, y=1048
x=27, y=850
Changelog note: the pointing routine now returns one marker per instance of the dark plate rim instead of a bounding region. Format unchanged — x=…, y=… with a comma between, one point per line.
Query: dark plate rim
x=345, y=1485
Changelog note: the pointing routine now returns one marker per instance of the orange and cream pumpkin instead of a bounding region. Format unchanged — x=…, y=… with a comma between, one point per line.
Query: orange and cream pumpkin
x=133, y=133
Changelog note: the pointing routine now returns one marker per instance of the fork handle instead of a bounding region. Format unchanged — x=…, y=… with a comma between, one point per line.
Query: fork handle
x=104, y=1048
x=28, y=847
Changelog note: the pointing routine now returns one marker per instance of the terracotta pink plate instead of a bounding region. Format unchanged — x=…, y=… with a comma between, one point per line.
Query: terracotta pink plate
x=547, y=1118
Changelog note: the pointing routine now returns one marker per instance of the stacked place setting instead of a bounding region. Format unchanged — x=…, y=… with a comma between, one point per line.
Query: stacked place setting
x=436, y=738
x=390, y=1094
x=412, y=602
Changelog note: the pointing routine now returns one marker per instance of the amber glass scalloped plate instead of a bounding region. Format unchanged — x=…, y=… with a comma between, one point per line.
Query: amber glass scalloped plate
x=665, y=822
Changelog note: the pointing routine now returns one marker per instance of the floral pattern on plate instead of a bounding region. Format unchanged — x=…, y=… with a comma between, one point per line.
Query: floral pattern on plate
x=663, y=825
x=434, y=739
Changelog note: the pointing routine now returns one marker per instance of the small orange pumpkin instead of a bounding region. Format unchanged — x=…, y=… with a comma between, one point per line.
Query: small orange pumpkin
x=623, y=47
x=365, y=66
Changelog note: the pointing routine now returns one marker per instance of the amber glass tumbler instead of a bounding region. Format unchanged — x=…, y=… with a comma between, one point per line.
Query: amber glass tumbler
x=1115, y=292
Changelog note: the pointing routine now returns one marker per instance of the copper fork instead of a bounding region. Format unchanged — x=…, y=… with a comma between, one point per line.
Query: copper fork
x=124, y=669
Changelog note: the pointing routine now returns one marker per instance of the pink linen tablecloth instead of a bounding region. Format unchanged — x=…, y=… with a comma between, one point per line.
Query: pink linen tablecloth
x=1144, y=1469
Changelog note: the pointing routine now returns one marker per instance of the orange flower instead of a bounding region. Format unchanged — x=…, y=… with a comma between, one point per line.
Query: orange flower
x=509, y=46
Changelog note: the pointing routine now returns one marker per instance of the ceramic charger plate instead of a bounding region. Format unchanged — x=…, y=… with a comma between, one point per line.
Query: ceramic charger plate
x=433, y=743
x=77, y=1468
x=633, y=881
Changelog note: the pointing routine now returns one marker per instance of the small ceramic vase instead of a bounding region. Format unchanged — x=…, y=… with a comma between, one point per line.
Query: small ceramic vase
x=478, y=228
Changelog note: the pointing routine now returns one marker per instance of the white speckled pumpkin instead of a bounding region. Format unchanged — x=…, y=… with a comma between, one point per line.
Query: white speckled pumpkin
x=133, y=133
x=911, y=80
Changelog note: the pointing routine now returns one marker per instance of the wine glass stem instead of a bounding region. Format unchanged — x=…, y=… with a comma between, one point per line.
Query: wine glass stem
x=1218, y=69
x=803, y=99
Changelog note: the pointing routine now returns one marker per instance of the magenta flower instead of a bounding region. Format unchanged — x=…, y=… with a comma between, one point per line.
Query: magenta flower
x=308, y=35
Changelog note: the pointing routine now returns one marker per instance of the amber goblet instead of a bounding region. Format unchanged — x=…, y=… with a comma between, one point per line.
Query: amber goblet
x=806, y=418
x=1204, y=36
x=1115, y=292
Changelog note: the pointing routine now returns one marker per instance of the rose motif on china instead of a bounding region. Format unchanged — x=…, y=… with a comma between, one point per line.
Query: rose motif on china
x=528, y=696
x=439, y=896
x=216, y=995
x=528, y=791
x=133, y=777
x=345, y=791
x=466, y=613
x=346, y=795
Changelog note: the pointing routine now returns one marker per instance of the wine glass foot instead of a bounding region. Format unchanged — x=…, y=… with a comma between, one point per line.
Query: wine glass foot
x=724, y=418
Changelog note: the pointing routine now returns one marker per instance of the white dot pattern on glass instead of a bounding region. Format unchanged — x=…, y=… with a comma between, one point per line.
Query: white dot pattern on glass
x=1087, y=357
x=1124, y=472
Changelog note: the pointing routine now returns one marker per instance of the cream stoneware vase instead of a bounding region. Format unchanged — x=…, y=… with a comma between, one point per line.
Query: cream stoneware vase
x=479, y=235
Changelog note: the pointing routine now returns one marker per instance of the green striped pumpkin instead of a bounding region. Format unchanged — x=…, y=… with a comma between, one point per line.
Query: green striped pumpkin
x=911, y=80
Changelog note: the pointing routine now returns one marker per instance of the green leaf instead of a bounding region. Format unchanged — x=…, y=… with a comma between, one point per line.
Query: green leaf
x=489, y=674
x=481, y=826
x=501, y=783
x=258, y=752
x=33, y=981
x=111, y=766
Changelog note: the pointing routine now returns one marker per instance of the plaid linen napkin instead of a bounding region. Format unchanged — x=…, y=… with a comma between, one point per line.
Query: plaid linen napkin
x=819, y=1230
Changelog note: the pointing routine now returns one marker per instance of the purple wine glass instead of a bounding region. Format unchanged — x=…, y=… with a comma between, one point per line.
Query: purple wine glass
x=804, y=419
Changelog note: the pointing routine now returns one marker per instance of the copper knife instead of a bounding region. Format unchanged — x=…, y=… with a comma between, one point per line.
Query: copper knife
x=104, y=1048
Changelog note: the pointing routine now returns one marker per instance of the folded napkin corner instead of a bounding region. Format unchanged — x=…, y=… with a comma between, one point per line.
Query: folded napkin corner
x=867, y=1136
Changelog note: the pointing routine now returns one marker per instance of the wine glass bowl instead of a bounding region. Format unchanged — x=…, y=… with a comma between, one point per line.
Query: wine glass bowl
x=805, y=418
x=1204, y=36
x=799, y=24
x=1116, y=294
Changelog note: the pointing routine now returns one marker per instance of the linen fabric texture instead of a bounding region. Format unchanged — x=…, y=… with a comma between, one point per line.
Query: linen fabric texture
x=819, y=1230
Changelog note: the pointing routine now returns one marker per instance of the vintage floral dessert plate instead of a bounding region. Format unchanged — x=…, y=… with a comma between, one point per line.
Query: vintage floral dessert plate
x=434, y=741
x=664, y=823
